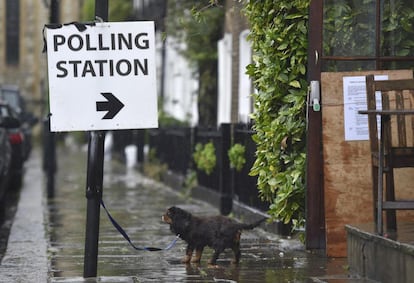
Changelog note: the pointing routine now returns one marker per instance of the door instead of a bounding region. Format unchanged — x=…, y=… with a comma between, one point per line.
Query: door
x=349, y=35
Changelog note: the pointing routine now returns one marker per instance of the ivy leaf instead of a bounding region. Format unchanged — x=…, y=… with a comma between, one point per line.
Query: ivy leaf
x=282, y=46
x=295, y=84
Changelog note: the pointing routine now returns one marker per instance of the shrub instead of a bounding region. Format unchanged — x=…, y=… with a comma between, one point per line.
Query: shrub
x=205, y=157
x=236, y=156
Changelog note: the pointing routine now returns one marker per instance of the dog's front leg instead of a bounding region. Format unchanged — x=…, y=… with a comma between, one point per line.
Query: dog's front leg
x=198, y=254
x=188, y=255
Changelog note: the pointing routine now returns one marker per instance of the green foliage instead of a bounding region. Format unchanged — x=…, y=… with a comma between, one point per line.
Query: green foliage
x=119, y=10
x=349, y=30
x=236, y=156
x=205, y=157
x=199, y=25
x=279, y=36
x=190, y=182
x=398, y=28
x=88, y=10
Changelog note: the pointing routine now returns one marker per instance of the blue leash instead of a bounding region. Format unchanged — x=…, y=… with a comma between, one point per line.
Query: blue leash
x=123, y=233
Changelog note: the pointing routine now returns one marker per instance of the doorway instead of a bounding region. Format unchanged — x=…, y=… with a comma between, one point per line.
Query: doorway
x=349, y=35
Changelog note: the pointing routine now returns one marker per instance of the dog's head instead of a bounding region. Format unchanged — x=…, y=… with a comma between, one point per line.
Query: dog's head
x=178, y=219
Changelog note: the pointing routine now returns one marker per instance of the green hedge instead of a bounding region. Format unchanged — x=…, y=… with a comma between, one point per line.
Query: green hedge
x=279, y=36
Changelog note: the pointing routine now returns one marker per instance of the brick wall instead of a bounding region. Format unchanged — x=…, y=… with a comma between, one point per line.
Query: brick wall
x=30, y=74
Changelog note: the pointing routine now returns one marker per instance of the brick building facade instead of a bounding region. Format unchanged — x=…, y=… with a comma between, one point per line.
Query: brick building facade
x=21, y=45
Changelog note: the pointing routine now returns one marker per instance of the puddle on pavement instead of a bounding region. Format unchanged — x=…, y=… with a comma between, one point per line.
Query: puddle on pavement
x=137, y=204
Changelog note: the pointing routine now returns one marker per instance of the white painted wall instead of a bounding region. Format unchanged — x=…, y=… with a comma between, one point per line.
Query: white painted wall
x=224, y=79
x=245, y=83
x=180, y=93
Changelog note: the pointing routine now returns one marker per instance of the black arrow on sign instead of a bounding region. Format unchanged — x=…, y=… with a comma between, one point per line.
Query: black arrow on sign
x=112, y=105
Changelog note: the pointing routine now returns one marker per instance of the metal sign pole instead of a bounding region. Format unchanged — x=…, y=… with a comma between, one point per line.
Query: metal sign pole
x=93, y=194
x=94, y=181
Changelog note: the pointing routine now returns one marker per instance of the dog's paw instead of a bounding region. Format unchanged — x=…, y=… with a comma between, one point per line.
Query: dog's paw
x=195, y=260
x=211, y=265
x=186, y=259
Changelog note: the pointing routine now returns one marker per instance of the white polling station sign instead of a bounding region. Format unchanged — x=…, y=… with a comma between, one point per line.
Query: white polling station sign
x=102, y=78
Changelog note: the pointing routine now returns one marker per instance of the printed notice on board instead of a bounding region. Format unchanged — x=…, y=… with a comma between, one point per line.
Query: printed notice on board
x=355, y=99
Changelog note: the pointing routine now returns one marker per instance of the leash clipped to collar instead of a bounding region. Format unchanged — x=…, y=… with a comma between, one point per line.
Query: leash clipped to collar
x=125, y=235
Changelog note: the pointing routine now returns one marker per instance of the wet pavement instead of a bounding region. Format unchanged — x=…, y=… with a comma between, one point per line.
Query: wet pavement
x=138, y=203
x=25, y=258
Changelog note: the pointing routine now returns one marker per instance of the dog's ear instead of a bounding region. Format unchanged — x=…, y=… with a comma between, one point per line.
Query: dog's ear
x=180, y=217
x=172, y=212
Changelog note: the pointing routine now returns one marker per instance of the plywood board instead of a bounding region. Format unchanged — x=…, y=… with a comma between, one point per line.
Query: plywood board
x=347, y=165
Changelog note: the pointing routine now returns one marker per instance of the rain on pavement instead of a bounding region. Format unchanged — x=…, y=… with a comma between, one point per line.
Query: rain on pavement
x=137, y=203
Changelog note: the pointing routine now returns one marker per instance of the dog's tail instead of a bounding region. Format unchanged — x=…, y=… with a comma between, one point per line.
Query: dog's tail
x=252, y=225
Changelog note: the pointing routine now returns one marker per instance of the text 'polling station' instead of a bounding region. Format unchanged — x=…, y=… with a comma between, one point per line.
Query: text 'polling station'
x=98, y=65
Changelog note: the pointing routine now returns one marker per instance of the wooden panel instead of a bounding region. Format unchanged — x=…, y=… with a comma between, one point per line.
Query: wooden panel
x=347, y=165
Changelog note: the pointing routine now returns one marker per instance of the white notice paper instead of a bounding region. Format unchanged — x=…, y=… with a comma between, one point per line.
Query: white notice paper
x=355, y=99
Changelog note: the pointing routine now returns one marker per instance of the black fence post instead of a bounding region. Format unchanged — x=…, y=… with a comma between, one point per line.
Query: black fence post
x=49, y=157
x=194, y=141
x=140, y=143
x=49, y=144
x=226, y=192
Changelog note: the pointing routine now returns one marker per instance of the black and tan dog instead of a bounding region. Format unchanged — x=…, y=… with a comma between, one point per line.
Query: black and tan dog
x=217, y=232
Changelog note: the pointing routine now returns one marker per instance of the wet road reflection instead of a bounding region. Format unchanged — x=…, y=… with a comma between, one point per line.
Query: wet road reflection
x=137, y=203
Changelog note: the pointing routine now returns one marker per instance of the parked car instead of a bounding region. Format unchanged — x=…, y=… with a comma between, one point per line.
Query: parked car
x=6, y=123
x=11, y=95
x=16, y=139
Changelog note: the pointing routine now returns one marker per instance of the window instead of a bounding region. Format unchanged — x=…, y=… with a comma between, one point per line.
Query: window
x=12, y=31
x=369, y=34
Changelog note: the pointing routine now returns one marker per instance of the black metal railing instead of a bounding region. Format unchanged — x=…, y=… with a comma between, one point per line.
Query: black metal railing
x=175, y=146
